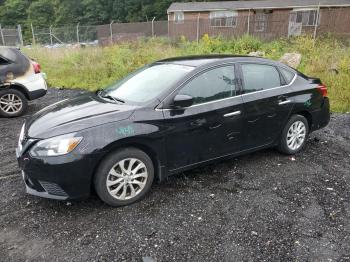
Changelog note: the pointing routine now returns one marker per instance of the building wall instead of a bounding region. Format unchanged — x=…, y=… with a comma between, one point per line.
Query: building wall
x=276, y=24
x=190, y=30
x=334, y=20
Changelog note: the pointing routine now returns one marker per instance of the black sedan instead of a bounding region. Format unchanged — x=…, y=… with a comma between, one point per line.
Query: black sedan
x=165, y=118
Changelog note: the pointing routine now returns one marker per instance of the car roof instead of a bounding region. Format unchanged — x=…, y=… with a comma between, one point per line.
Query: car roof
x=202, y=60
x=10, y=53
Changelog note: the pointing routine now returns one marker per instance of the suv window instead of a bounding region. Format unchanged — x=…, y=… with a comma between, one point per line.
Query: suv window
x=3, y=61
x=212, y=85
x=288, y=75
x=259, y=77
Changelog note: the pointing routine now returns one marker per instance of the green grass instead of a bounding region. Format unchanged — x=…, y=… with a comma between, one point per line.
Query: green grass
x=95, y=67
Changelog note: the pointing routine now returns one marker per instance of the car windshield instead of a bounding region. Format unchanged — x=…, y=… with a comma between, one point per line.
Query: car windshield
x=147, y=83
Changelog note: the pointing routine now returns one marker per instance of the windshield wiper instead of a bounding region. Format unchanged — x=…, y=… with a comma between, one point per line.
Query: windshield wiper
x=103, y=94
x=115, y=99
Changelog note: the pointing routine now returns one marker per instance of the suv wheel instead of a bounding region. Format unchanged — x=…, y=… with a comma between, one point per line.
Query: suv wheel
x=124, y=177
x=294, y=135
x=12, y=103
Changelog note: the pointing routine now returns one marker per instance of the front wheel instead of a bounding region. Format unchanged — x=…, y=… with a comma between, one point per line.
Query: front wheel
x=294, y=135
x=124, y=177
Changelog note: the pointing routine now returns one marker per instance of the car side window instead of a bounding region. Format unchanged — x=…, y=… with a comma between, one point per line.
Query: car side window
x=288, y=75
x=259, y=77
x=212, y=85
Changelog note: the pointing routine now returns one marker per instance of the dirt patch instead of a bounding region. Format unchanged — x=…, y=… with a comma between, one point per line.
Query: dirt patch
x=262, y=206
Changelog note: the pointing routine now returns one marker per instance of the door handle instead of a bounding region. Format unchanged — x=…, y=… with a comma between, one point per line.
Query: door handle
x=236, y=113
x=214, y=127
x=284, y=102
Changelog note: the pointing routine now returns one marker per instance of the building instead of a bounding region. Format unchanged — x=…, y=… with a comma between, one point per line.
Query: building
x=266, y=19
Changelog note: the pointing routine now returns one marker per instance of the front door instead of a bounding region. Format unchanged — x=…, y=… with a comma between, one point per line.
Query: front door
x=212, y=126
x=294, y=28
x=266, y=104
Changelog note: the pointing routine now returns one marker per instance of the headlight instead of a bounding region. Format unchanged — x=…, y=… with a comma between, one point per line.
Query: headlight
x=20, y=139
x=56, y=146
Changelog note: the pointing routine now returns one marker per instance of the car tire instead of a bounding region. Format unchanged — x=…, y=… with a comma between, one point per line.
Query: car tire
x=294, y=135
x=122, y=171
x=13, y=103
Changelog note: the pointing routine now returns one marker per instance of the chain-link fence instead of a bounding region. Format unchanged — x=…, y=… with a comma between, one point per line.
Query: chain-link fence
x=119, y=32
x=97, y=34
x=11, y=36
x=65, y=35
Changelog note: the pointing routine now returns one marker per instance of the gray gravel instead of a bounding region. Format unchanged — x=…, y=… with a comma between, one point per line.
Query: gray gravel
x=260, y=207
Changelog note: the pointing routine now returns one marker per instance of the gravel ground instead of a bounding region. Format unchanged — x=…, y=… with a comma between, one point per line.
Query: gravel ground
x=262, y=206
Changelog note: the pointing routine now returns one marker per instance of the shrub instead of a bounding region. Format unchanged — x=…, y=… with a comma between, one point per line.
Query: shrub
x=93, y=68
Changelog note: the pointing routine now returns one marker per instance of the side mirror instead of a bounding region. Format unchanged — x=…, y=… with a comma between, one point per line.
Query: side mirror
x=181, y=101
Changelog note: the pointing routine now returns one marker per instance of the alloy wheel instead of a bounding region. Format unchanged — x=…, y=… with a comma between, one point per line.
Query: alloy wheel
x=127, y=179
x=296, y=135
x=10, y=103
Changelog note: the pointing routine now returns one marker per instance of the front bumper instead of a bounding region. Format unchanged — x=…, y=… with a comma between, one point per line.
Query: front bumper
x=60, y=177
x=42, y=191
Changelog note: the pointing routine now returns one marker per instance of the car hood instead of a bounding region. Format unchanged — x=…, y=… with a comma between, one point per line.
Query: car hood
x=75, y=114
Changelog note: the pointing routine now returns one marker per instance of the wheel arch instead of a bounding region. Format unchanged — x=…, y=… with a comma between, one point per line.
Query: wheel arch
x=131, y=143
x=19, y=88
x=307, y=115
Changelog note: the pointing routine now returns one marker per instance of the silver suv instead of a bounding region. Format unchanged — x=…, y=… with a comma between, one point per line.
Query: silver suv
x=20, y=81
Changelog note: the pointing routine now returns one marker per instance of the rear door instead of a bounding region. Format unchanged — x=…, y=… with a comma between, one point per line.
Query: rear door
x=267, y=103
x=212, y=126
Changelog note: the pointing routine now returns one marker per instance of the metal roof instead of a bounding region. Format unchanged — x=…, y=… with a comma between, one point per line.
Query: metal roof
x=244, y=5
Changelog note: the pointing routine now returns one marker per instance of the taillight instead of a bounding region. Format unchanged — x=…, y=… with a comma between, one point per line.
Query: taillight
x=323, y=90
x=37, y=67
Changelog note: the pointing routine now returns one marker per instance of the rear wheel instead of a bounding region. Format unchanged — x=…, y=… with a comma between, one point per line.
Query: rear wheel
x=12, y=103
x=124, y=177
x=294, y=135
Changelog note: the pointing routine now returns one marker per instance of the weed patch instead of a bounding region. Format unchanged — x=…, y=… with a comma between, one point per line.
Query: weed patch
x=93, y=68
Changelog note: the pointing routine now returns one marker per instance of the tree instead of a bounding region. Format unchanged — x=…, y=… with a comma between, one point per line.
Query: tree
x=96, y=11
x=13, y=12
x=41, y=13
x=69, y=12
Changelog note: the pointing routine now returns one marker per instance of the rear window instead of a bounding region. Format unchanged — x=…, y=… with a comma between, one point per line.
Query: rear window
x=259, y=77
x=288, y=75
x=3, y=61
x=12, y=54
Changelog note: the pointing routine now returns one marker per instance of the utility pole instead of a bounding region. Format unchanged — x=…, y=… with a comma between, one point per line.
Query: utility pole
x=199, y=14
x=153, y=26
x=31, y=26
x=51, y=41
x=168, y=26
x=20, y=36
x=78, y=40
x=111, y=31
x=316, y=22
x=2, y=36
x=248, y=22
